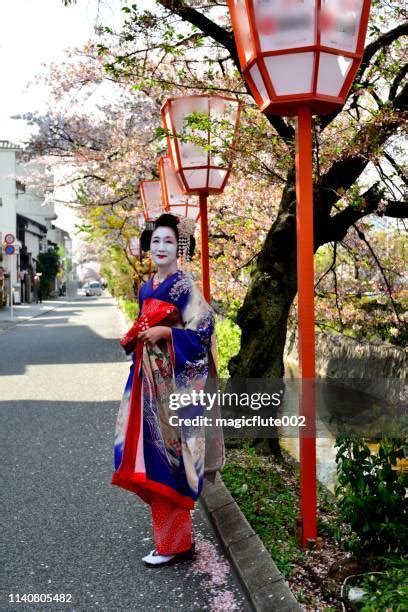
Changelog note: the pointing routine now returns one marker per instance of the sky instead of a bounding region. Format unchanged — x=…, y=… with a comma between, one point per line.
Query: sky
x=34, y=32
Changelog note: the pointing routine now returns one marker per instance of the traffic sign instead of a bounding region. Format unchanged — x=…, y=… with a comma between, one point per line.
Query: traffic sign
x=9, y=238
x=10, y=250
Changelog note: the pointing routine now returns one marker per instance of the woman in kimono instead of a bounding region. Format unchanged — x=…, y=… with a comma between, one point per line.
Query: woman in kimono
x=156, y=456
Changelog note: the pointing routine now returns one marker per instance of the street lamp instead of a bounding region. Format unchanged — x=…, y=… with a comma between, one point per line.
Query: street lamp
x=300, y=58
x=295, y=55
x=174, y=199
x=201, y=133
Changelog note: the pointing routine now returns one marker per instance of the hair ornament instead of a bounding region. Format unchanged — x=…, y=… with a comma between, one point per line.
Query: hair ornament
x=186, y=229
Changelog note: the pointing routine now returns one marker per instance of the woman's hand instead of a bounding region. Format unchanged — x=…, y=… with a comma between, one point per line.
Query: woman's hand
x=154, y=334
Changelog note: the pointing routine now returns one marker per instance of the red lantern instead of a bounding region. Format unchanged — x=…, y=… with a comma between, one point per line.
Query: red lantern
x=299, y=54
x=150, y=194
x=299, y=57
x=174, y=200
x=201, y=156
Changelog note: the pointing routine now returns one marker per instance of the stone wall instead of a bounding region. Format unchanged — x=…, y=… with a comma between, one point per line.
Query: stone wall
x=379, y=369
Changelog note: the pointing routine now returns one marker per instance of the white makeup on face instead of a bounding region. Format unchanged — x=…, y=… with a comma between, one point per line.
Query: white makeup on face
x=163, y=246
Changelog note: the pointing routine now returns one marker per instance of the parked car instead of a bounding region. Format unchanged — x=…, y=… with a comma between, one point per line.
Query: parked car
x=93, y=288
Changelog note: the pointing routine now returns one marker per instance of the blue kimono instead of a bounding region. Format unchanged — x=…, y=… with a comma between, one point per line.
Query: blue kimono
x=152, y=454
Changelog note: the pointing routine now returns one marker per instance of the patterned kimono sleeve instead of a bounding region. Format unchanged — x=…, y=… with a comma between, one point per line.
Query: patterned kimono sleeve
x=191, y=344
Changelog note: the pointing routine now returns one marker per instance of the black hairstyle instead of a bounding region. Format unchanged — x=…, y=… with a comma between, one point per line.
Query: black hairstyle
x=165, y=220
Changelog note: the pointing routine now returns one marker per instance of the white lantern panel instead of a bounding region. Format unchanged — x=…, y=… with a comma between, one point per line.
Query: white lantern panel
x=173, y=185
x=339, y=23
x=223, y=114
x=179, y=211
x=191, y=153
x=154, y=213
x=171, y=141
x=243, y=29
x=282, y=25
x=218, y=134
x=333, y=70
x=259, y=83
x=134, y=246
x=291, y=73
x=217, y=178
x=193, y=212
x=177, y=198
x=153, y=199
x=152, y=193
x=196, y=179
x=223, y=109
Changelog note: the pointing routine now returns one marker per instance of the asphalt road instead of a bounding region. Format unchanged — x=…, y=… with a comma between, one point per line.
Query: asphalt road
x=66, y=530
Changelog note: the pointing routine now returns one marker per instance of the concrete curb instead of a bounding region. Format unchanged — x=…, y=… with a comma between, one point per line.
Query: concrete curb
x=263, y=583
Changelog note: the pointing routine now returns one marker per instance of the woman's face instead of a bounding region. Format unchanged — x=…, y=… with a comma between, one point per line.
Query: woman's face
x=163, y=246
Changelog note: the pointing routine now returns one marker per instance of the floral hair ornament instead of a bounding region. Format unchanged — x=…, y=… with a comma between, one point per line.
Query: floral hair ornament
x=186, y=229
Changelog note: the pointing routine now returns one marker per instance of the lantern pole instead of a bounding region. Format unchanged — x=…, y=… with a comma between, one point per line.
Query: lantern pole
x=205, y=265
x=306, y=338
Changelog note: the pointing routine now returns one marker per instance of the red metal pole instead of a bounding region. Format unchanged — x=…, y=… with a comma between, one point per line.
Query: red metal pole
x=205, y=265
x=305, y=281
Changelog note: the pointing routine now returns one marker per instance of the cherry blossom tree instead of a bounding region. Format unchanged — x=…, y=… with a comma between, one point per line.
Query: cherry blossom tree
x=190, y=47
x=181, y=48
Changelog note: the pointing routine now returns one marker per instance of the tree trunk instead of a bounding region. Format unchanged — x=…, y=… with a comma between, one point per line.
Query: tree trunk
x=263, y=317
x=264, y=314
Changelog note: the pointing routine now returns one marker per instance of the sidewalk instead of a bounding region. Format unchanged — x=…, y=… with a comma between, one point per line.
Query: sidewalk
x=24, y=312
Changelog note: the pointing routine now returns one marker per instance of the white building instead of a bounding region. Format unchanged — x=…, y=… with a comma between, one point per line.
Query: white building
x=23, y=214
x=8, y=214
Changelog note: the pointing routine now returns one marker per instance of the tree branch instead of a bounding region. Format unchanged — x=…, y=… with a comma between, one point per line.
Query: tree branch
x=397, y=82
x=338, y=225
x=226, y=39
x=400, y=102
x=200, y=21
x=381, y=42
x=362, y=237
x=394, y=209
x=399, y=170
x=345, y=171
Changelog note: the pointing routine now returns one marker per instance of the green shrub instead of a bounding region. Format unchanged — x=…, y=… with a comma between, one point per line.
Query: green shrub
x=268, y=503
x=48, y=264
x=130, y=308
x=119, y=274
x=228, y=340
x=371, y=495
x=387, y=591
